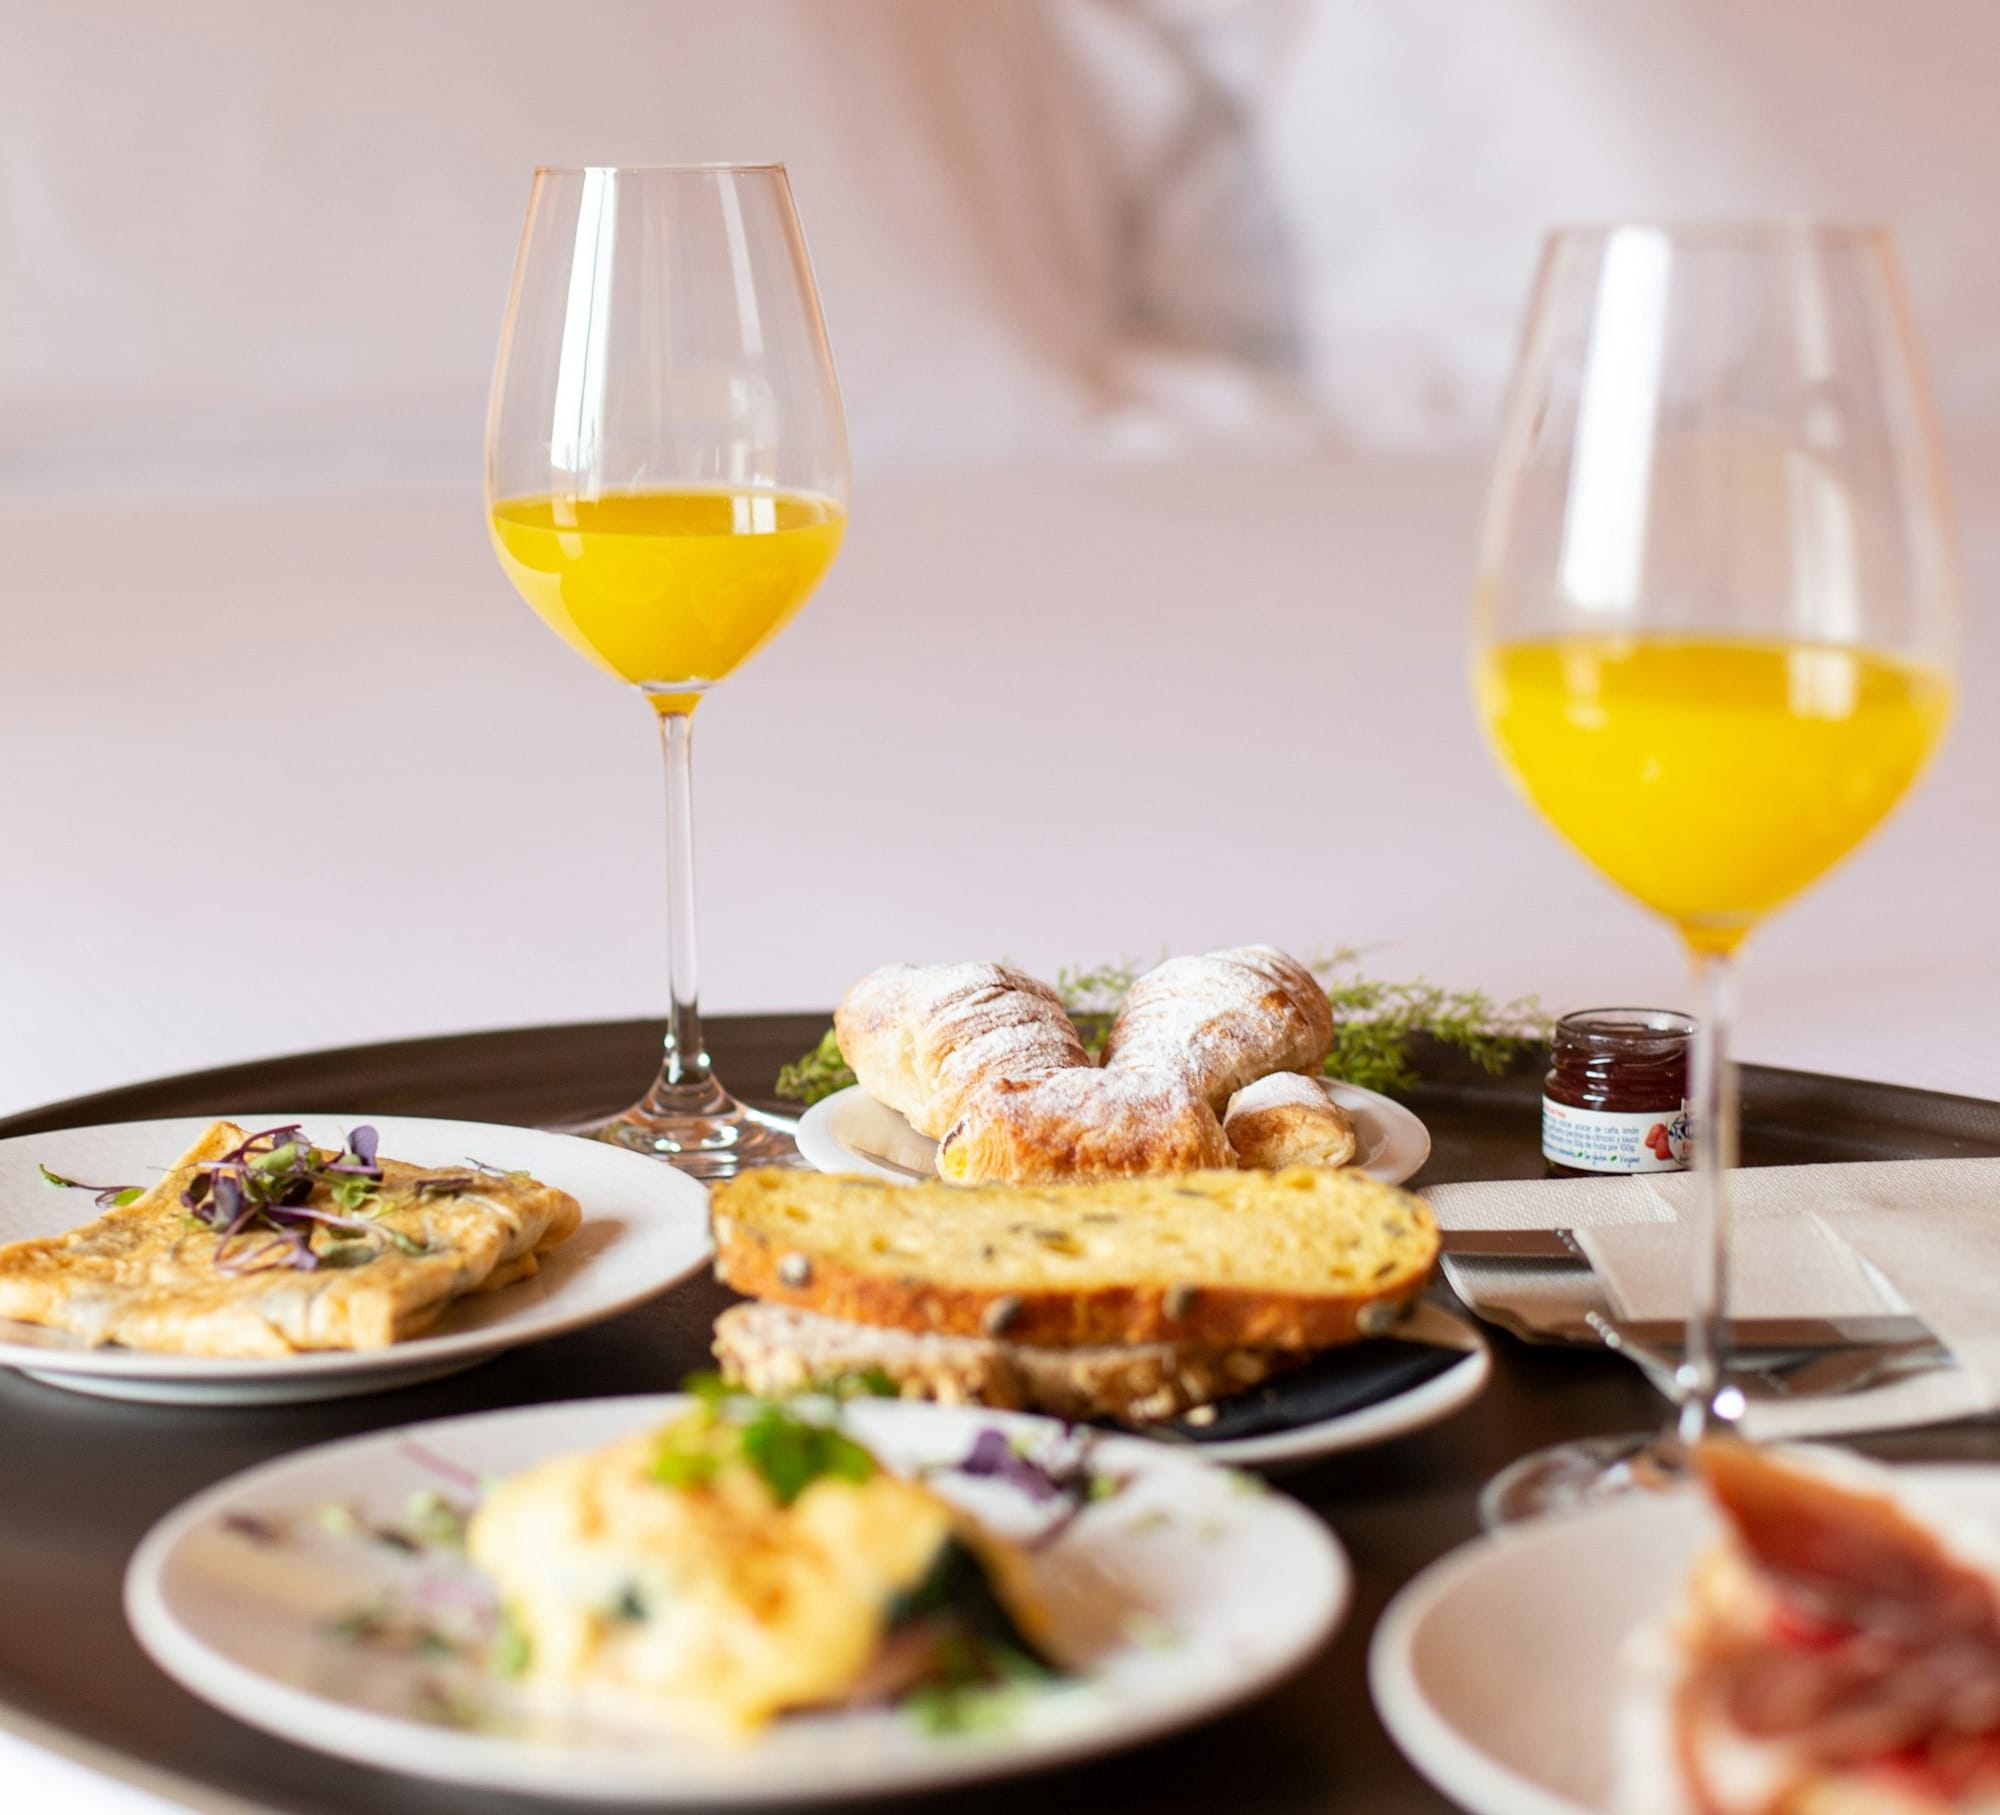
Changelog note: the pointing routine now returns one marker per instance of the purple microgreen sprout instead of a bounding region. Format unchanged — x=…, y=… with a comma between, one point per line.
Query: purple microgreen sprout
x=108, y=1197
x=1067, y=1476
x=253, y=1528
x=265, y=1183
x=492, y=1171
x=992, y=1455
x=442, y=1466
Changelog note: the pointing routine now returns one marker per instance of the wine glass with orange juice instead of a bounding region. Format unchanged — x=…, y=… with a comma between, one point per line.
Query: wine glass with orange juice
x=1714, y=631
x=666, y=483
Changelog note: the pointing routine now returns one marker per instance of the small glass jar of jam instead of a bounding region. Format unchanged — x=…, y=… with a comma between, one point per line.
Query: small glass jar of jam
x=1615, y=1098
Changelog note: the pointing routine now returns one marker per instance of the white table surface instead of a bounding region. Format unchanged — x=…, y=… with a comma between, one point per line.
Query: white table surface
x=297, y=770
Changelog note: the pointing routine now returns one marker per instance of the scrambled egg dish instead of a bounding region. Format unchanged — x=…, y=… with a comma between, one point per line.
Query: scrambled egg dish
x=744, y=1562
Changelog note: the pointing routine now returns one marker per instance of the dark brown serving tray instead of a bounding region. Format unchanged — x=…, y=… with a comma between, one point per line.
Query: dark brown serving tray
x=82, y=1479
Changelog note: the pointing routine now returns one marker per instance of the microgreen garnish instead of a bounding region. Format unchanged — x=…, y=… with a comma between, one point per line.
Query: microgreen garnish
x=386, y=1625
x=982, y=1704
x=1064, y=1474
x=109, y=1197
x=1376, y=1025
x=512, y=1648
x=264, y=1185
x=789, y=1451
x=859, y=1383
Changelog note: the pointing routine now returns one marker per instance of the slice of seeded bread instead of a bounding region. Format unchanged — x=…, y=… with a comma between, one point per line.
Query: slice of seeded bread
x=1299, y=1259
x=775, y=1349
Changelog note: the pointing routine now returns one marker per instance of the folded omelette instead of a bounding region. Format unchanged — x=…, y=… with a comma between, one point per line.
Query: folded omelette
x=153, y=1274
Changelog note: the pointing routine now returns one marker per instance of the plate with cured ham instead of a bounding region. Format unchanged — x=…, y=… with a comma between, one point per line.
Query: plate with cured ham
x=1806, y=1631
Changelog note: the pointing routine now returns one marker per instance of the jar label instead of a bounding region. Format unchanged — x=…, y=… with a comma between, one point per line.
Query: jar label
x=1615, y=1140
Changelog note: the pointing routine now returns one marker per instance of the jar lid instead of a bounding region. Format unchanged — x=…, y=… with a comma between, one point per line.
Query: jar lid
x=1625, y=1030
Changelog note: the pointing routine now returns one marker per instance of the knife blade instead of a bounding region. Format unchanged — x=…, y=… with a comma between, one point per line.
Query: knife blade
x=1511, y=1244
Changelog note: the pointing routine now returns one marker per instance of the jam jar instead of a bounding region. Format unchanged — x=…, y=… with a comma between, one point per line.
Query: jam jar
x=1615, y=1098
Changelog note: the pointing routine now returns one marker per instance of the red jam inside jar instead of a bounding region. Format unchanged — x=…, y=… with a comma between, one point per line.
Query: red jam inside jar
x=1615, y=1097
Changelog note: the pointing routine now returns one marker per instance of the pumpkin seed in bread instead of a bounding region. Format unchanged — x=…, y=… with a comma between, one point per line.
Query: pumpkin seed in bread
x=778, y=1350
x=1283, y=1260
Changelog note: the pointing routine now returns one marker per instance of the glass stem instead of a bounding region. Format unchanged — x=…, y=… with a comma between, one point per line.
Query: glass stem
x=684, y=1072
x=1714, y=1135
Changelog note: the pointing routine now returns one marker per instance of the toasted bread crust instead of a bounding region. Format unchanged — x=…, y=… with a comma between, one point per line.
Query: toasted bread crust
x=790, y=1238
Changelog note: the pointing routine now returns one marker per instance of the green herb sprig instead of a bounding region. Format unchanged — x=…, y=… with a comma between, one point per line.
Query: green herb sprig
x=1376, y=1025
x=789, y=1450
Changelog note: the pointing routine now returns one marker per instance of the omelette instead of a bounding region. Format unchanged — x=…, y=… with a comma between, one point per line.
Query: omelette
x=347, y=1257
x=727, y=1570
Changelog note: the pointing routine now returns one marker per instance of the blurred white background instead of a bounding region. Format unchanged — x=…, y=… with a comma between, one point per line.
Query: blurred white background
x=1171, y=334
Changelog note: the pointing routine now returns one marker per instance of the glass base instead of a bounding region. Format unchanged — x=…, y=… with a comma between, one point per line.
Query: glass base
x=1569, y=1477
x=701, y=1130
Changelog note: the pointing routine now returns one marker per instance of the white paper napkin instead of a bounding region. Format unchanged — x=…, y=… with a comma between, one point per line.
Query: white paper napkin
x=1780, y=1265
x=1873, y=1238
x=1547, y=1203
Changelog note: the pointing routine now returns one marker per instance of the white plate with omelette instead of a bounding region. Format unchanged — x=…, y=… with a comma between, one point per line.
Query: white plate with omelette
x=850, y=1131
x=1181, y=1591
x=644, y=1228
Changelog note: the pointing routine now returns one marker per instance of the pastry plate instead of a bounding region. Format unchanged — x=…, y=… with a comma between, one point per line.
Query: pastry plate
x=851, y=1132
x=645, y=1228
x=1186, y=1591
x=1570, y=1592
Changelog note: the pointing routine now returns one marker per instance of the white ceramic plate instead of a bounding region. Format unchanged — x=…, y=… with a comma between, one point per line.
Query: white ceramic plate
x=1424, y=1404
x=645, y=1228
x=851, y=1132
x=1188, y=1591
x=1446, y=1664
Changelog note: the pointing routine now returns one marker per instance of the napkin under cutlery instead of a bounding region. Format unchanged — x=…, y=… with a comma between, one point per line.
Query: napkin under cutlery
x=1853, y=1240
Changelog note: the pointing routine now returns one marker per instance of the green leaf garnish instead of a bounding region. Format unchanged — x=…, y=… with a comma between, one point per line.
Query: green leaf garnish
x=789, y=1452
x=816, y=1074
x=353, y=1194
x=346, y=1254
x=109, y=1197
x=792, y=1454
x=513, y=1650
x=861, y=1383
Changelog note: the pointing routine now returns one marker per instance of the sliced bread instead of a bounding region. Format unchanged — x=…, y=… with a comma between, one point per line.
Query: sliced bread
x=777, y=1349
x=1299, y=1259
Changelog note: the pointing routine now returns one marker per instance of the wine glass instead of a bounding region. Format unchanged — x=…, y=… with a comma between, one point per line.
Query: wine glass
x=666, y=483
x=1714, y=632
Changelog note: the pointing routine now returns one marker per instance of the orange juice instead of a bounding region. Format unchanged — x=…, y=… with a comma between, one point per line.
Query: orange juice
x=670, y=590
x=1710, y=778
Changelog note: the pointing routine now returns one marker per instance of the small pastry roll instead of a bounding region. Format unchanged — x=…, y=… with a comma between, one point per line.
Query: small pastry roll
x=1287, y=1120
x=924, y=1038
x=1079, y=1124
x=1224, y=1020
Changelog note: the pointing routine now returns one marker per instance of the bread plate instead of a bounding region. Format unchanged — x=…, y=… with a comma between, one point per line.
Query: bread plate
x=850, y=1132
x=1454, y=1386
x=645, y=1228
x=243, y=1596
x=1570, y=1593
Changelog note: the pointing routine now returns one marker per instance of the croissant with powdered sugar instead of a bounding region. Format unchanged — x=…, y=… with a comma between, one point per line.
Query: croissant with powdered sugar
x=983, y=1058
